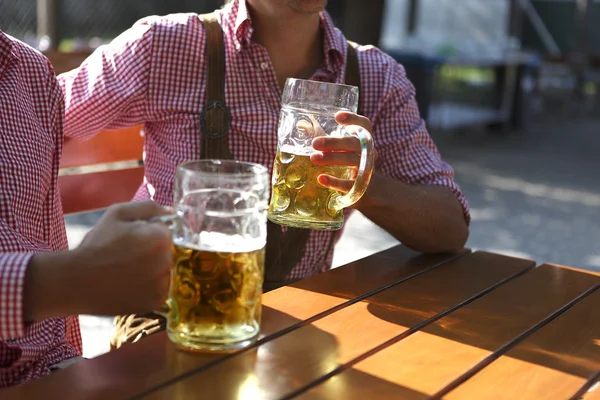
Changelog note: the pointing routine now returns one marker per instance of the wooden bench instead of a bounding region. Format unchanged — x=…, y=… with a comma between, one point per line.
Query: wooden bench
x=63, y=62
x=104, y=170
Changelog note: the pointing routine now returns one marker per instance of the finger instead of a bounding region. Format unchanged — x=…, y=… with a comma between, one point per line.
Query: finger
x=336, y=158
x=310, y=128
x=141, y=210
x=350, y=143
x=305, y=127
x=348, y=118
x=159, y=236
x=331, y=182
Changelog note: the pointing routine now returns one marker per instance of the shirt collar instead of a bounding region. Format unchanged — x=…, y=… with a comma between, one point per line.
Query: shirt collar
x=7, y=51
x=236, y=14
x=334, y=45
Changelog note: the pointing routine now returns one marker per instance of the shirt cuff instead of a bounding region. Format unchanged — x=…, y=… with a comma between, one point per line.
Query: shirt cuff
x=13, y=267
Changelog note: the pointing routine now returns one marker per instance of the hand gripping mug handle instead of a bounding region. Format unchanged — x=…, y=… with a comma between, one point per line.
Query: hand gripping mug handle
x=365, y=169
x=170, y=221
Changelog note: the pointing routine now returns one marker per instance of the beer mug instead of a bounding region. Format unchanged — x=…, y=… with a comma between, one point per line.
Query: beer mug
x=308, y=111
x=219, y=236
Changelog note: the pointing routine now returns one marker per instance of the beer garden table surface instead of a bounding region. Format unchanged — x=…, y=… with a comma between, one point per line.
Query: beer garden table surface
x=395, y=325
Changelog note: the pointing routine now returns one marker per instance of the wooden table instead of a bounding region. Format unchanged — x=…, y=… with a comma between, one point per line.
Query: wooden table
x=395, y=325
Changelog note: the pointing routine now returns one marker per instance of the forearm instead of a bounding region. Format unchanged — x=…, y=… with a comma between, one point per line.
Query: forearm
x=53, y=286
x=426, y=218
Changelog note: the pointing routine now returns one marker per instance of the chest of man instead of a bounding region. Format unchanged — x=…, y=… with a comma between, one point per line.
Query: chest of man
x=28, y=158
x=253, y=96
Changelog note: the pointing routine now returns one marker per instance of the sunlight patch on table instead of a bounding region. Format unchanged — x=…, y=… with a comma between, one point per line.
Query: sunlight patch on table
x=519, y=379
x=283, y=300
x=422, y=362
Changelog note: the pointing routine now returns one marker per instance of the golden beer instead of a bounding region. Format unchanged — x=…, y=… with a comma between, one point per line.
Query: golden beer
x=298, y=199
x=215, y=298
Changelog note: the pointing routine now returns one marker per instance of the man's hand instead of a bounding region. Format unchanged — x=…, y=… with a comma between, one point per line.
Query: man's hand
x=426, y=218
x=340, y=151
x=122, y=266
x=133, y=259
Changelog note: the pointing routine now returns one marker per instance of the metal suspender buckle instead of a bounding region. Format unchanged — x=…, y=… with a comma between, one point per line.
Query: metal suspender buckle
x=225, y=118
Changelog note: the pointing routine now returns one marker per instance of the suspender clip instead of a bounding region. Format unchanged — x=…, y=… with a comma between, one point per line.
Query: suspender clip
x=225, y=118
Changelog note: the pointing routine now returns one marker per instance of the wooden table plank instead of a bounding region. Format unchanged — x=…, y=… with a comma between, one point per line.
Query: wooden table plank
x=593, y=393
x=561, y=356
x=154, y=361
x=590, y=389
x=281, y=366
x=434, y=357
x=351, y=282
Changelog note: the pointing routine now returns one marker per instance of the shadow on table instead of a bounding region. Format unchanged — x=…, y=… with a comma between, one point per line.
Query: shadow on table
x=154, y=367
x=497, y=318
x=354, y=384
x=488, y=322
x=366, y=275
x=275, y=369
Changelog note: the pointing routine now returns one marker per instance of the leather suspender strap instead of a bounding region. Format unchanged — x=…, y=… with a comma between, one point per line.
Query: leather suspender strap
x=283, y=250
x=352, y=79
x=353, y=71
x=215, y=117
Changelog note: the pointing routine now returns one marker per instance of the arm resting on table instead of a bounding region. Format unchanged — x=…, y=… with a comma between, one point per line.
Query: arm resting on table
x=426, y=218
x=413, y=194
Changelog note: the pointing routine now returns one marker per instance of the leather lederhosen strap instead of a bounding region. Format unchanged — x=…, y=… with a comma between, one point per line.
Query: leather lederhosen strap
x=215, y=117
x=284, y=249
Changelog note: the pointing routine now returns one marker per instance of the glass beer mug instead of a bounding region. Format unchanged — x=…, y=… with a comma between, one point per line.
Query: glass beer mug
x=308, y=111
x=219, y=236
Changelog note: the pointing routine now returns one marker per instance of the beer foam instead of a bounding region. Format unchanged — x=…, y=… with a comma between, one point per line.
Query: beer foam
x=297, y=150
x=220, y=242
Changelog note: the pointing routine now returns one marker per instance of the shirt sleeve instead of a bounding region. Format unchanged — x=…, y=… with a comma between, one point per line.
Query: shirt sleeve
x=109, y=89
x=14, y=247
x=13, y=267
x=406, y=151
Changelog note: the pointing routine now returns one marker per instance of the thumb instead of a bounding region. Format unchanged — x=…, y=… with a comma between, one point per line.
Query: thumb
x=141, y=210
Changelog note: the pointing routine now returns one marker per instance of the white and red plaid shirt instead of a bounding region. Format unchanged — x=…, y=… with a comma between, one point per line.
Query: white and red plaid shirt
x=31, y=218
x=155, y=74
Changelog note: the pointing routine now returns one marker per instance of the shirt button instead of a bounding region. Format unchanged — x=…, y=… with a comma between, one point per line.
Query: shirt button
x=238, y=46
x=264, y=66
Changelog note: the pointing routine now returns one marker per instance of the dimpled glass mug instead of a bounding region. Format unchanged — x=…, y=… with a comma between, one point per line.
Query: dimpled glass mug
x=308, y=111
x=219, y=237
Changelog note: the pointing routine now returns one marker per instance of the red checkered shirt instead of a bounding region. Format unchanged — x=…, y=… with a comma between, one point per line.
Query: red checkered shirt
x=31, y=219
x=155, y=74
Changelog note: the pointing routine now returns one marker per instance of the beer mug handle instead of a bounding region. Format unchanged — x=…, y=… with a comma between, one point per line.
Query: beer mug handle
x=365, y=170
x=169, y=221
